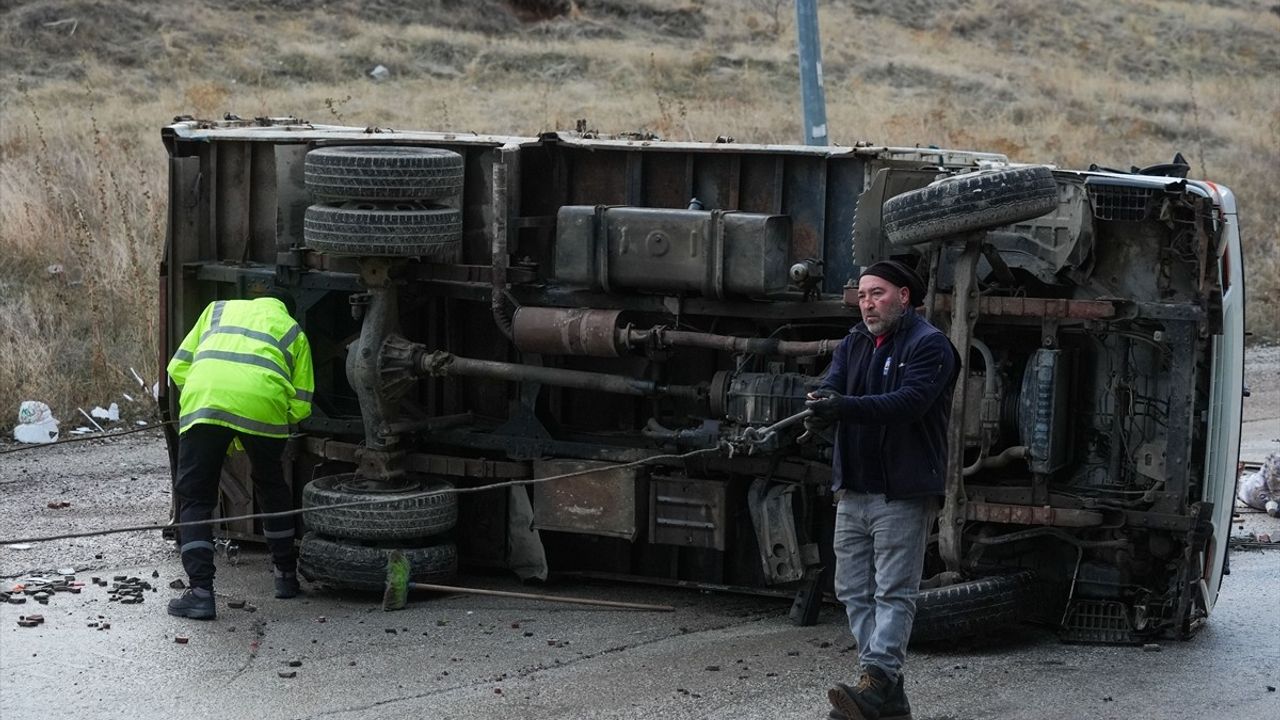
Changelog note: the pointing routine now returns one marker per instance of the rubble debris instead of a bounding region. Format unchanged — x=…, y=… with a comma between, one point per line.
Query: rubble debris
x=178, y=584
x=236, y=604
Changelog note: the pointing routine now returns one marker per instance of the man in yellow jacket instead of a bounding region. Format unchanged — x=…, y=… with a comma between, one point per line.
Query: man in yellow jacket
x=244, y=372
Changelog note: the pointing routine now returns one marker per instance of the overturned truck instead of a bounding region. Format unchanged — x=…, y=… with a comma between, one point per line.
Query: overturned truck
x=602, y=344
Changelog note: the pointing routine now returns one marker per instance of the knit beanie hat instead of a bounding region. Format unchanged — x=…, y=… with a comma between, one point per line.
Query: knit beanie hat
x=902, y=276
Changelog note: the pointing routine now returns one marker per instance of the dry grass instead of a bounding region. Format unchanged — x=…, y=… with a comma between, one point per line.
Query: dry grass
x=1075, y=82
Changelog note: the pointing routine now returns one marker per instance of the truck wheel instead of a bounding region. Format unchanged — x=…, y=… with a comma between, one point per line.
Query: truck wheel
x=403, y=229
x=973, y=607
x=401, y=516
x=382, y=172
x=364, y=567
x=968, y=203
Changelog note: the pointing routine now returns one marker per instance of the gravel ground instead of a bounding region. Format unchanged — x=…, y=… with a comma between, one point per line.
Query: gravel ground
x=1260, y=424
x=108, y=483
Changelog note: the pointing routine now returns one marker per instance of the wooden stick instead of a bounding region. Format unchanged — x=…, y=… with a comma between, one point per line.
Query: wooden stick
x=536, y=596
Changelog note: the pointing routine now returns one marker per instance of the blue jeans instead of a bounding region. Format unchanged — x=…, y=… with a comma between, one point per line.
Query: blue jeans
x=879, y=549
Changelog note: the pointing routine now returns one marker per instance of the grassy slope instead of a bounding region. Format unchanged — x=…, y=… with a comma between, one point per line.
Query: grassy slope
x=88, y=83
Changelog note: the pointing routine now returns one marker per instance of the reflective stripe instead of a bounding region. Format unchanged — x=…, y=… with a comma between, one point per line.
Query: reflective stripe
x=277, y=534
x=287, y=341
x=244, y=358
x=303, y=395
x=216, y=319
x=197, y=545
x=184, y=355
x=237, y=420
x=290, y=336
x=281, y=345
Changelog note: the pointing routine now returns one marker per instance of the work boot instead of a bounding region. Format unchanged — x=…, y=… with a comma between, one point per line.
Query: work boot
x=195, y=603
x=896, y=706
x=866, y=700
x=287, y=585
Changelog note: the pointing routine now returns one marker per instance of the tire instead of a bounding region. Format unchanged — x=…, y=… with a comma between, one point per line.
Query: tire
x=364, y=567
x=382, y=173
x=403, y=229
x=401, y=517
x=973, y=607
x=969, y=203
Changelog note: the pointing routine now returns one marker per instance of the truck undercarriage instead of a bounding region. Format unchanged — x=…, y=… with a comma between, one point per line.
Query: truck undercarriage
x=485, y=310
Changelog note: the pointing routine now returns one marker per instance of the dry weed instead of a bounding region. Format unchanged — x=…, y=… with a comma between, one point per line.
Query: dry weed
x=83, y=190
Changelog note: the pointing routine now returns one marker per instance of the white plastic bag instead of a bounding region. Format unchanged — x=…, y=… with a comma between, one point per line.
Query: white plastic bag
x=36, y=423
x=1261, y=490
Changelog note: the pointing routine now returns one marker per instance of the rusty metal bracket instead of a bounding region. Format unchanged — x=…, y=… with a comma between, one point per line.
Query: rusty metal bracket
x=1031, y=515
x=964, y=315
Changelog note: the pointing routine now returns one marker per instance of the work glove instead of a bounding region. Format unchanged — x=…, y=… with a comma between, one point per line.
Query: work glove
x=825, y=405
x=815, y=429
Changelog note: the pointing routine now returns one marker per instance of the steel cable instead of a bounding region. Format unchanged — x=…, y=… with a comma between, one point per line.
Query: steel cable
x=354, y=503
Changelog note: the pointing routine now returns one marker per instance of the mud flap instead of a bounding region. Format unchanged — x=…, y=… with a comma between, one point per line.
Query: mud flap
x=525, y=555
x=808, y=601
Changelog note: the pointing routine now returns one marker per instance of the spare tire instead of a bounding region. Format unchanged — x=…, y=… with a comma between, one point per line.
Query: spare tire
x=404, y=514
x=364, y=567
x=973, y=607
x=382, y=172
x=968, y=203
x=403, y=229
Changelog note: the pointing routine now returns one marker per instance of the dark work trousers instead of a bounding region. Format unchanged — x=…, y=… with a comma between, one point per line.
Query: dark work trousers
x=201, y=450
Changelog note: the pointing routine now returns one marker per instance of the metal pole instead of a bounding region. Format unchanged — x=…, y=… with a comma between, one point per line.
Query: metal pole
x=811, y=93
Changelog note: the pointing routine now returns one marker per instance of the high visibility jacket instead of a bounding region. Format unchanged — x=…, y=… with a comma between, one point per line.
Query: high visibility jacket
x=245, y=365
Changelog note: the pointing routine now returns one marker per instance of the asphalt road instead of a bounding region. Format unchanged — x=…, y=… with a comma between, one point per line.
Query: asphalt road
x=717, y=656
x=463, y=657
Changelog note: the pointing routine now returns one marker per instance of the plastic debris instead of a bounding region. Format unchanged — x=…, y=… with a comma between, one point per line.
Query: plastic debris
x=1261, y=490
x=111, y=414
x=36, y=423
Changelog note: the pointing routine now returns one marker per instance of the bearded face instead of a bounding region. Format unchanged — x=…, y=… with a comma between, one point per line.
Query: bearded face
x=882, y=303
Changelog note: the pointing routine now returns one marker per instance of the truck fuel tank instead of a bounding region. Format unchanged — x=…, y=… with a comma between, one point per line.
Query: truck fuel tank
x=713, y=253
